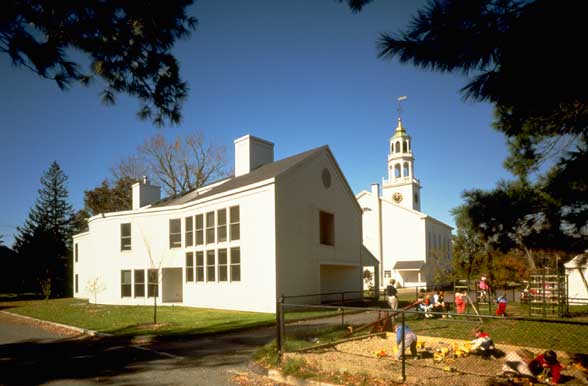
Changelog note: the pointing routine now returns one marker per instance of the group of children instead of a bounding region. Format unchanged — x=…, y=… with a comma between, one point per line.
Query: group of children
x=428, y=305
x=544, y=366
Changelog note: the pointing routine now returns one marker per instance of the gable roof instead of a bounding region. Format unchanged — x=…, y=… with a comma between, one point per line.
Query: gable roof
x=264, y=172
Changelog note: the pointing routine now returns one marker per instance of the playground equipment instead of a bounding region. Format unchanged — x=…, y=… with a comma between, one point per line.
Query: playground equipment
x=548, y=291
x=472, y=287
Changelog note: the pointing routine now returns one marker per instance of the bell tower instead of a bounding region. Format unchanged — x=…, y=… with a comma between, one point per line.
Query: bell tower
x=401, y=186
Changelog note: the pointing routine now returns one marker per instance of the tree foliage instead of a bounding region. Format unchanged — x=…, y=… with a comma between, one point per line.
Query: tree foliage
x=42, y=244
x=110, y=197
x=127, y=42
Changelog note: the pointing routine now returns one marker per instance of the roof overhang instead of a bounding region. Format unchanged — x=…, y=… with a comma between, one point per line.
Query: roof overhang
x=409, y=265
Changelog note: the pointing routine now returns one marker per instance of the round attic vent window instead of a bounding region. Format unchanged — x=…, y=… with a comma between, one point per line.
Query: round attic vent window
x=326, y=176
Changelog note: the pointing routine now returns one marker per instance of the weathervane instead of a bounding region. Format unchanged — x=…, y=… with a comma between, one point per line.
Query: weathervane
x=399, y=106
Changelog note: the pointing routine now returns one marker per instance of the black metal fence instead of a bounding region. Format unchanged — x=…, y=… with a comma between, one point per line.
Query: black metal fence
x=353, y=338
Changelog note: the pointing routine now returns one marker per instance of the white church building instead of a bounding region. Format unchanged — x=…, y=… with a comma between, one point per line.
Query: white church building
x=408, y=244
x=286, y=227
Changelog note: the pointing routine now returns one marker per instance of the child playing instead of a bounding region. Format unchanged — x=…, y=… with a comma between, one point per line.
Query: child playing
x=501, y=310
x=547, y=362
x=484, y=289
x=410, y=340
x=483, y=344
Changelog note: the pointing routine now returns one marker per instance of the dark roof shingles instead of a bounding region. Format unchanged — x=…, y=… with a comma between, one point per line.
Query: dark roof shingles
x=262, y=173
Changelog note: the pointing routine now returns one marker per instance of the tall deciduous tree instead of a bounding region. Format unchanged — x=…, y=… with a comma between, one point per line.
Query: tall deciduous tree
x=127, y=42
x=178, y=166
x=43, y=242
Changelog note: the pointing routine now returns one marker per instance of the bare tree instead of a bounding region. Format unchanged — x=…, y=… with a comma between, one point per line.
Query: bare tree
x=133, y=167
x=155, y=265
x=95, y=286
x=178, y=166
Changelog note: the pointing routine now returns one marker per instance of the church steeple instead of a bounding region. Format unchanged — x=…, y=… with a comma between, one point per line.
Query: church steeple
x=401, y=186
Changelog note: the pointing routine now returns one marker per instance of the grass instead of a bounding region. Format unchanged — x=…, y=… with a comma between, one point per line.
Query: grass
x=137, y=320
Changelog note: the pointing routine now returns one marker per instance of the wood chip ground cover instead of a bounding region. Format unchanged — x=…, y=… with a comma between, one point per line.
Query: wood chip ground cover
x=356, y=363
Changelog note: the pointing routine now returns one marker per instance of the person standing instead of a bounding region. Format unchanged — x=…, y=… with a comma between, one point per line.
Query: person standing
x=392, y=294
x=484, y=289
x=501, y=310
x=461, y=301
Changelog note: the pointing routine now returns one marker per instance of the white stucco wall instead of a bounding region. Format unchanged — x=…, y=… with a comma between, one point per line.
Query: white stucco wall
x=150, y=238
x=84, y=268
x=300, y=196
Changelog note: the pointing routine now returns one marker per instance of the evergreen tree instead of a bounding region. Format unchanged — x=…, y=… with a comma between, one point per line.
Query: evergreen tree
x=127, y=43
x=43, y=244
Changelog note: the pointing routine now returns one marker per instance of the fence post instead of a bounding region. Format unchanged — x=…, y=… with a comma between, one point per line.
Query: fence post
x=342, y=309
x=280, y=326
x=403, y=348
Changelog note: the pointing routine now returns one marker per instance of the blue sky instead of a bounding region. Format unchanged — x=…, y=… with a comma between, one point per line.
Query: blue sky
x=300, y=73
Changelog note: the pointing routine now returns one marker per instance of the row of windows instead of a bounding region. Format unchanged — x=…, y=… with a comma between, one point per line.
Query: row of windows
x=132, y=283
x=219, y=265
x=405, y=170
x=206, y=228
x=396, y=146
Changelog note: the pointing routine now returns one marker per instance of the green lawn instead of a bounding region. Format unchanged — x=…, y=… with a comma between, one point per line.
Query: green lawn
x=137, y=320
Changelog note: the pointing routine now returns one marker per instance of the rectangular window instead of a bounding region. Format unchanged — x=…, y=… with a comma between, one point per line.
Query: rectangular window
x=235, y=219
x=199, y=266
x=125, y=237
x=235, y=264
x=76, y=253
x=153, y=283
x=222, y=265
x=387, y=274
x=221, y=228
x=189, y=267
x=209, y=227
x=125, y=284
x=210, y=266
x=139, y=283
x=327, y=228
x=200, y=229
x=77, y=288
x=189, y=236
x=175, y=233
